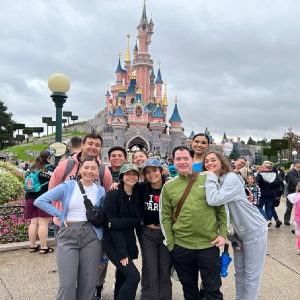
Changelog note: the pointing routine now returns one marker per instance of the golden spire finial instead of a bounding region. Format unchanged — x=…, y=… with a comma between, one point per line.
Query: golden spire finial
x=119, y=102
x=120, y=53
x=159, y=64
x=157, y=104
x=176, y=99
x=165, y=101
x=127, y=56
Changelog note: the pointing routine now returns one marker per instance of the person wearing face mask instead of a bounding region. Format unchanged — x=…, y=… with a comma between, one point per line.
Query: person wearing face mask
x=79, y=244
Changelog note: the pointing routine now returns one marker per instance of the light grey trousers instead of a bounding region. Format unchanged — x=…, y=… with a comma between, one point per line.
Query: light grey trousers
x=249, y=264
x=78, y=258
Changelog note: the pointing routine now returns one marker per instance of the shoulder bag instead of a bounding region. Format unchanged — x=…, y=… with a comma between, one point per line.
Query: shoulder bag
x=94, y=214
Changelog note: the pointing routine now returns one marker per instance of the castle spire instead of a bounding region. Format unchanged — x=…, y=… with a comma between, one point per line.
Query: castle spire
x=119, y=68
x=144, y=14
x=165, y=101
x=127, y=56
x=175, y=116
x=158, y=78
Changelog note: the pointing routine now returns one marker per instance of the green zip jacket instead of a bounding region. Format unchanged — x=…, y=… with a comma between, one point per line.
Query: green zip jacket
x=197, y=225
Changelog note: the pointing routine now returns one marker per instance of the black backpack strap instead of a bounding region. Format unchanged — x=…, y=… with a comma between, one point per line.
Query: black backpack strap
x=69, y=167
x=82, y=189
x=101, y=173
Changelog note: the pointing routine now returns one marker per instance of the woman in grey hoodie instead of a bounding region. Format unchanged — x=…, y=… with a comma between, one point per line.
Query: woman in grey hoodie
x=250, y=237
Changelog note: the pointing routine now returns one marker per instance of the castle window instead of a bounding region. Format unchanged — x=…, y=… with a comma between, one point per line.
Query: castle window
x=159, y=135
x=132, y=100
x=116, y=137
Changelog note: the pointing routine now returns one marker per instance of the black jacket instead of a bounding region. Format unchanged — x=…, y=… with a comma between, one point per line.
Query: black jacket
x=292, y=178
x=121, y=232
x=270, y=183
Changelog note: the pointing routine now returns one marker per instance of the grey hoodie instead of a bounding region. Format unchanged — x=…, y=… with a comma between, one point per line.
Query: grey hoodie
x=245, y=218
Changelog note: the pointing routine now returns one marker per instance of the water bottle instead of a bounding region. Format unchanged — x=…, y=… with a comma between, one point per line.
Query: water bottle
x=103, y=263
x=225, y=260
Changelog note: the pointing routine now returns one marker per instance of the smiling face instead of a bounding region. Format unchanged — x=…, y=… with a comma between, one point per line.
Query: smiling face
x=153, y=175
x=239, y=163
x=183, y=162
x=117, y=160
x=89, y=170
x=200, y=144
x=139, y=158
x=91, y=147
x=212, y=163
x=250, y=180
x=130, y=178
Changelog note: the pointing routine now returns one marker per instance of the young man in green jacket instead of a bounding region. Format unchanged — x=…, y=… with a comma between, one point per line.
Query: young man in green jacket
x=194, y=239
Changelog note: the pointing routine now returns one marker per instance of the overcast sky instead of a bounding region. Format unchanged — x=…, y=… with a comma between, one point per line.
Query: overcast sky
x=233, y=64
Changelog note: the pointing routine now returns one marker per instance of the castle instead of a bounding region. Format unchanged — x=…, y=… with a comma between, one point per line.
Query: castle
x=136, y=107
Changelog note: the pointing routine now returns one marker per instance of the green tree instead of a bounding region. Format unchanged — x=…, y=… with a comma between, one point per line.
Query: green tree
x=234, y=154
x=74, y=118
x=67, y=114
x=270, y=152
x=45, y=120
x=6, y=125
x=258, y=159
x=280, y=145
x=251, y=141
x=264, y=142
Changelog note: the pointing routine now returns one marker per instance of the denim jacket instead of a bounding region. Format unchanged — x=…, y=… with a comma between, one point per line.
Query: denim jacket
x=63, y=193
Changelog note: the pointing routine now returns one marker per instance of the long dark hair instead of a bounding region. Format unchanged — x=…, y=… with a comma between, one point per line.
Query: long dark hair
x=149, y=187
x=41, y=161
x=134, y=197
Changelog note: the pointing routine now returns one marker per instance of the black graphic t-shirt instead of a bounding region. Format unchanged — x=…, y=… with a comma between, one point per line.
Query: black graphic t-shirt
x=150, y=199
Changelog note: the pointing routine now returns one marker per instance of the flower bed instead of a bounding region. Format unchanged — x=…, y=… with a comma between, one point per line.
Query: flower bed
x=13, y=226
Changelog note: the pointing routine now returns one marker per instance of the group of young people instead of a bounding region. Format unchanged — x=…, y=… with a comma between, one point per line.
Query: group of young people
x=141, y=204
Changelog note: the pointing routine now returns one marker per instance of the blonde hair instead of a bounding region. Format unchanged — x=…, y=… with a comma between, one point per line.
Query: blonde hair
x=268, y=164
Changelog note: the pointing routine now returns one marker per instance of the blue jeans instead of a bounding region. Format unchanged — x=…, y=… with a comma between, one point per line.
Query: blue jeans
x=268, y=203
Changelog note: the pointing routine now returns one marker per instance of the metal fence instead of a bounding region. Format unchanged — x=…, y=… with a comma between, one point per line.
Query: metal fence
x=13, y=226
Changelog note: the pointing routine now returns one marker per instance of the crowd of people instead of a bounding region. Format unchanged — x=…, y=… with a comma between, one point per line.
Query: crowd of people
x=178, y=212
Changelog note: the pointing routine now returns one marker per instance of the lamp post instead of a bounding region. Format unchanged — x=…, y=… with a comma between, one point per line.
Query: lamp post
x=7, y=155
x=58, y=84
x=294, y=153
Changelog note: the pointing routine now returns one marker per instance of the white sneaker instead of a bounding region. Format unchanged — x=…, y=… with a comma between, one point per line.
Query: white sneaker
x=269, y=224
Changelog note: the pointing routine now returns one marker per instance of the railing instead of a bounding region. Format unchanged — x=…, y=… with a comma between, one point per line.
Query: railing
x=13, y=226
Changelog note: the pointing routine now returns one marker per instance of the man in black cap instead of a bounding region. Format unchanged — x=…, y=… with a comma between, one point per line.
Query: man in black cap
x=292, y=178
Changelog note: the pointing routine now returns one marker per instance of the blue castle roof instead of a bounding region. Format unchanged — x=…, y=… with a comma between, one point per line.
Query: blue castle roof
x=138, y=101
x=158, y=78
x=121, y=94
x=119, y=68
x=158, y=113
x=192, y=134
x=152, y=75
x=107, y=93
x=175, y=116
x=131, y=88
x=136, y=47
x=109, y=114
x=119, y=112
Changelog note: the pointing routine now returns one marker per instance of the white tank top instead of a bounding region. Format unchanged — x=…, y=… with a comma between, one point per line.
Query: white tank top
x=77, y=210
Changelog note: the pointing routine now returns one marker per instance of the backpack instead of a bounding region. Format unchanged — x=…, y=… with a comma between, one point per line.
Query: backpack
x=70, y=165
x=32, y=183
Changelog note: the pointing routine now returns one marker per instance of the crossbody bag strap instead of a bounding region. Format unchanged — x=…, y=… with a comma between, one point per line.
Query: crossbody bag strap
x=184, y=195
x=82, y=190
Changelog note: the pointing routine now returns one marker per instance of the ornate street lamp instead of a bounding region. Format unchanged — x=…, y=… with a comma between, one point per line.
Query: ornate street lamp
x=294, y=153
x=58, y=84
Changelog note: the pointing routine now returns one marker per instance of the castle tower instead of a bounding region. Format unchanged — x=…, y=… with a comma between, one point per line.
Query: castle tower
x=142, y=63
x=130, y=93
x=158, y=84
x=175, y=128
x=119, y=125
x=157, y=126
x=152, y=85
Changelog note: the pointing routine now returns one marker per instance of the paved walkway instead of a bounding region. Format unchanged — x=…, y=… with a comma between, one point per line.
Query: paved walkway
x=25, y=276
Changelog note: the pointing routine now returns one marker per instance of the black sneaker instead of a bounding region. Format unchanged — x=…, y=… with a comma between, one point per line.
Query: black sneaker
x=98, y=291
x=293, y=231
x=287, y=223
x=278, y=223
